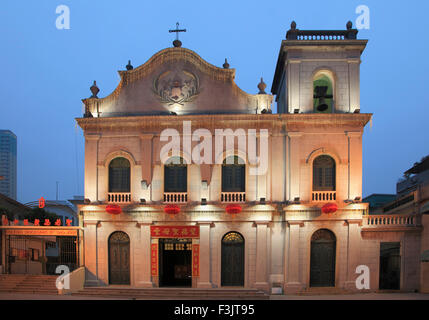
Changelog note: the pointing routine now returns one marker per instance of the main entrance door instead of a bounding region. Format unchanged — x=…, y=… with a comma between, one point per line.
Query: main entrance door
x=175, y=257
x=322, y=259
x=232, y=260
x=119, y=258
x=390, y=266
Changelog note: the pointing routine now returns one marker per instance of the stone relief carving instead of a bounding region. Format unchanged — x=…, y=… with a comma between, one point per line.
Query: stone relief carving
x=176, y=88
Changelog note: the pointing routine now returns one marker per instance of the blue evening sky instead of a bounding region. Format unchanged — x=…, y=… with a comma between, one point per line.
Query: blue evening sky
x=46, y=72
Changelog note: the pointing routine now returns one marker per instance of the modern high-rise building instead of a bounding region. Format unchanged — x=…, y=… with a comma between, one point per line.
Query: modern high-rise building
x=8, y=167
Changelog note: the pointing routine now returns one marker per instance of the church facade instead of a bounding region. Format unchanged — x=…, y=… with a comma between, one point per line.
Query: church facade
x=192, y=182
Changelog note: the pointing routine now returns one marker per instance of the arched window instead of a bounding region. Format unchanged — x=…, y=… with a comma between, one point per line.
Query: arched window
x=324, y=174
x=323, y=93
x=233, y=175
x=175, y=175
x=119, y=175
x=232, y=260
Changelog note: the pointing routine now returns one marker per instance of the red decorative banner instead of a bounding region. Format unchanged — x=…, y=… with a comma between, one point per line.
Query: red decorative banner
x=41, y=232
x=175, y=231
x=154, y=259
x=195, y=260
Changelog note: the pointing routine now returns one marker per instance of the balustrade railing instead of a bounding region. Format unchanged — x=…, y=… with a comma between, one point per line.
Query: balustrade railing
x=119, y=197
x=175, y=197
x=233, y=197
x=323, y=196
x=391, y=220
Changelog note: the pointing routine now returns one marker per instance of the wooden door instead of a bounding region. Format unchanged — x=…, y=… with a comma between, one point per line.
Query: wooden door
x=322, y=259
x=119, y=258
x=232, y=273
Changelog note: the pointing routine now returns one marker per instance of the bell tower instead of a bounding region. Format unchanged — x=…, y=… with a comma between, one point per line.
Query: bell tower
x=318, y=71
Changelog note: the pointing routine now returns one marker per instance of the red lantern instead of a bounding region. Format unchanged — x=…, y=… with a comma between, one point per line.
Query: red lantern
x=113, y=209
x=172, y=209
x=233, y=208
x=329, y=208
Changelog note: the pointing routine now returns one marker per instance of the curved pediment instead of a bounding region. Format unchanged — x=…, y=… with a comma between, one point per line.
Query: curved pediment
x=177, y=80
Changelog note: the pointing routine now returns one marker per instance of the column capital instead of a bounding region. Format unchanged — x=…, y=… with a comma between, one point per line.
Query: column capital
x=91, y=223
x=144, y=223
x=354, y=221
x=353, y=134
x=205, y=223
x=295, y=223
x=94, y=137
x=145, y=136
x=262, y=222
x=294, y=134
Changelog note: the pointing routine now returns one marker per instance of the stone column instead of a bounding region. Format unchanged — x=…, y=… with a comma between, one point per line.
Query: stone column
x=354, y=84
x=144, y=274
x=355, y=164
x=91, y=253
x=293, y=72
x=293, y=283
x=205, y=261
x=353, y=253
x=294, y=165
x=261, y=256
x=91, y=167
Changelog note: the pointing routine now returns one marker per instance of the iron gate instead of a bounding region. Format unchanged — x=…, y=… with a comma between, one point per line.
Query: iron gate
x=41, y=254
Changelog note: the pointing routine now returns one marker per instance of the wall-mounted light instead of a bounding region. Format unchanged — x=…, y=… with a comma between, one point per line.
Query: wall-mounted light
x=203, y=201
x=143, y=201
x=296, y=200
x=262, y=201
x=144, y=184
x=296, y=111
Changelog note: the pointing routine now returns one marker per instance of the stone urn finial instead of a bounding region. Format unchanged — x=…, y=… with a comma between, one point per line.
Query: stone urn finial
x=129, y=66
x=349, y=25
x=226, y=64
x=262, y=86
x=94, y=89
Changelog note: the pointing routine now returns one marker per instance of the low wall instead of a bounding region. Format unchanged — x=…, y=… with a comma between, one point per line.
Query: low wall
x=73, y=282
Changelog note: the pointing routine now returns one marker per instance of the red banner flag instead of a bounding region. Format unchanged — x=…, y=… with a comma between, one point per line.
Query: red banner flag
x=195, y=260
x=154, y=259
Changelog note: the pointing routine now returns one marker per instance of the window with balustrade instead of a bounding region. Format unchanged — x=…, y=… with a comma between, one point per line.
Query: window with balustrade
x=119, y=175
x=175, y=175
x=233, y=179
x=324, y=173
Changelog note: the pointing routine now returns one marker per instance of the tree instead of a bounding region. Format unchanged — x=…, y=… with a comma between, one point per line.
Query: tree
x=6, y=212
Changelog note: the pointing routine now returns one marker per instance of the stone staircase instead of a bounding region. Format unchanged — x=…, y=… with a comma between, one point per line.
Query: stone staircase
x=25, y=283
x=173, y=293
x=315, y=291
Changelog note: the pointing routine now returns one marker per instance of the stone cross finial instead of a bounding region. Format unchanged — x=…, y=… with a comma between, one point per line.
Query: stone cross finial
x=177, y=43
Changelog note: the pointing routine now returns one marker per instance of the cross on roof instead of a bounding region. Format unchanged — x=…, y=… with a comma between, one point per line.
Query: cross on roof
x=177, y=42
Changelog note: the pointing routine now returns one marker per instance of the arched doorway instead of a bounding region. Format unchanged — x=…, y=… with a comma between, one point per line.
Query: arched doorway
x=322, y=259
x=119, y=258
x=232, y=273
